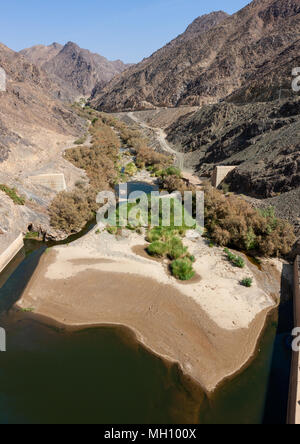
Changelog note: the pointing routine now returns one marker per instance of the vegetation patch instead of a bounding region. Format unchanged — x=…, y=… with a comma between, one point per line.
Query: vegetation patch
x=231, y=222
x=70, y=211
x=237, y=261
x=182, y=269
x=165, y=242
x=32, y=235
x=131, y=169
x=81, y=141
x=247, y=282
x=12, y=193
x=158, y=249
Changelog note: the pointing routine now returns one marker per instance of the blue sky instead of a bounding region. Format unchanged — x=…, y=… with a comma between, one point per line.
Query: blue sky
x=126, y=29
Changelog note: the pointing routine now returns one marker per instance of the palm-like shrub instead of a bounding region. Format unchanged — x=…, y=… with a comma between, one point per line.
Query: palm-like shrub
x=176, y=249
x=158, y=249
x=182, y=269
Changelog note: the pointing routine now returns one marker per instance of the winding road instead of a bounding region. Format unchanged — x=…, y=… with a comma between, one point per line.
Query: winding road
x=165, y=146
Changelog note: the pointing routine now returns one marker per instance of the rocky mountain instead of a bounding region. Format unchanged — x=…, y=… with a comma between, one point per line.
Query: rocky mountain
x=247, y=54
x=34, y=130
x=77, y=71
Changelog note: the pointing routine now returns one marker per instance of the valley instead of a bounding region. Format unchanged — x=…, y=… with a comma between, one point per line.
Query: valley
x=201, y=311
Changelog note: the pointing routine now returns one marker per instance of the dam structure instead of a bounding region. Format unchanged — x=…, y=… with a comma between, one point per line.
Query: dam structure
x=55, y=181
x=11, y=244
x=220, y=173
x=294, y=392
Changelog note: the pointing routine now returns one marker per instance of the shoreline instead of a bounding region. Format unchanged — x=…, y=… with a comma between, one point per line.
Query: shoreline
x=48, y=321
x=204, y=356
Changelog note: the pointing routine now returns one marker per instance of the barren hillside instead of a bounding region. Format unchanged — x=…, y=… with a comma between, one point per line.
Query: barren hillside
x=250, y=52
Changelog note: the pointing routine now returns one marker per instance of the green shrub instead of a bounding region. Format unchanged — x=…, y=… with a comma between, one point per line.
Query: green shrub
x=235, y=260
x=32, y=235
x=112, y=230
x=27, y=310
x=250, y=240
x=247, y=282
x=182, y=269
x=12, y=193
x=170, y=171
x=157, y=248
x=173, y=171
x=131, y=169
x=176, y=249
x=163, y=234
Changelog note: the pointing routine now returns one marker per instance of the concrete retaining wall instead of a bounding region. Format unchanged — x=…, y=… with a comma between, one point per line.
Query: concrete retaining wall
x=11, y=251
x=294, y=393
x=55, y=182
x=220, y=173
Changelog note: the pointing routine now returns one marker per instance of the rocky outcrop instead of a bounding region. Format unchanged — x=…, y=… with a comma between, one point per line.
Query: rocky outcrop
x=250, y=52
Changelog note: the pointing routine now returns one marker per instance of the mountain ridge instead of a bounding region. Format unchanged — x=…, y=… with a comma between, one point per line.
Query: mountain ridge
x=210, y=66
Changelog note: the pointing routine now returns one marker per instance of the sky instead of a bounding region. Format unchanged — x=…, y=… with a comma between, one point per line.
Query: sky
x=117, y=29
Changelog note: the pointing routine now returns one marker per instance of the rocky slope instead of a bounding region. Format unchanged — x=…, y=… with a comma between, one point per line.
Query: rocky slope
x=77, y=71
x=262, y=139
x=208, y=63
x=34, y=130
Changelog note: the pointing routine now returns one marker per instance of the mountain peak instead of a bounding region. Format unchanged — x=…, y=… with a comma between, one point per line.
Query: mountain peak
x=71, y=45
x=205, y=22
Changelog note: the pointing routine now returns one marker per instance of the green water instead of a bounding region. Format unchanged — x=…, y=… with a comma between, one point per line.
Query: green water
x=102, y=375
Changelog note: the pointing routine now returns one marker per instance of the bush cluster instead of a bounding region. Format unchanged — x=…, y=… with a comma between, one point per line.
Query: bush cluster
x=70, y=211
x=166, y=243
x=147, y=157
x=182, y=269
x=235, y=260
x=247, y=282
x=231, y=221
x=131, y=169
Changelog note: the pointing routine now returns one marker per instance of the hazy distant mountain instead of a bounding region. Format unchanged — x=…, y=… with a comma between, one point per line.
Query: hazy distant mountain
x=40, y=54
x=76, y=70
x=215, y=57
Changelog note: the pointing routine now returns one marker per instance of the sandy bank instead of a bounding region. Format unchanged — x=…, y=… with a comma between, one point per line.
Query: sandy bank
x=210, y=327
